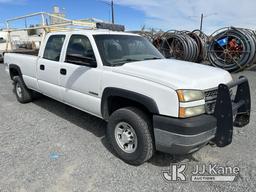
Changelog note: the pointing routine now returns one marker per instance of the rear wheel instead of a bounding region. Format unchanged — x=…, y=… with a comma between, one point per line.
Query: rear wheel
x=130, y=133
x=23, y=94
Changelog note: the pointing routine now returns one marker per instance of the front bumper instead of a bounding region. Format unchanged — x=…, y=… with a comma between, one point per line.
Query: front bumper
x=183, y=136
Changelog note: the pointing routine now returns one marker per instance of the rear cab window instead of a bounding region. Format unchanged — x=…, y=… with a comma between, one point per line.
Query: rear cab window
x=53, y=47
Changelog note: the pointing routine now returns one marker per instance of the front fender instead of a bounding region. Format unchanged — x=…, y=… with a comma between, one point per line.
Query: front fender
x=147, y=102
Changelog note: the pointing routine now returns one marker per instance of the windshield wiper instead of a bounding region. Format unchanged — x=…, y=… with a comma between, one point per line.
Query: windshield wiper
x=124, y=61
x=152, y=58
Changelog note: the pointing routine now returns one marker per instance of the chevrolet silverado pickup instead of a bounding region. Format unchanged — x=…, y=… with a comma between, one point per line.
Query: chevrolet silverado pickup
x=150, y=103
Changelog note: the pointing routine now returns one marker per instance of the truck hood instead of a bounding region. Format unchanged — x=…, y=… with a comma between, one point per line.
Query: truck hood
x=176, y=74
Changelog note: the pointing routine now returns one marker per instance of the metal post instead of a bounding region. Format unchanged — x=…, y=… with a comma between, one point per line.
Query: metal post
x=26, y=25
x=8, y=36
x=9, y=41
x=43, y=19
x=7, y=25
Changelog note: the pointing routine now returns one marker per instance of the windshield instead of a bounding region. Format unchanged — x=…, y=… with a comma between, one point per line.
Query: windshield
x=120, y=49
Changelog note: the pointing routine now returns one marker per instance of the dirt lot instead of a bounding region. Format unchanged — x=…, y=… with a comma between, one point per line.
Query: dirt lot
x=48, y=146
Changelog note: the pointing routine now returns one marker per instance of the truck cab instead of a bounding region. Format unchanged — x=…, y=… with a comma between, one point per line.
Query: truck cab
x=150, y=103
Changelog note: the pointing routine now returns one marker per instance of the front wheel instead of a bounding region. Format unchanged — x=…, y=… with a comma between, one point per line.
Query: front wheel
x=130, y=133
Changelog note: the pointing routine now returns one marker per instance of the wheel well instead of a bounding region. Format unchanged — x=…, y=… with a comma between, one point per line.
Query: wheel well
x=116, y=98
x=116, y=102
x=14, y=72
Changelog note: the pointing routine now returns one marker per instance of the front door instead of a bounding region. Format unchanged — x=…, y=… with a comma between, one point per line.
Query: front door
x=79, y=81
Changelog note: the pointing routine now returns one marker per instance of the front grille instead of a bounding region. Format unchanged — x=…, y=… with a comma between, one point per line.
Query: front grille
x=212, y=94
x=210, y=100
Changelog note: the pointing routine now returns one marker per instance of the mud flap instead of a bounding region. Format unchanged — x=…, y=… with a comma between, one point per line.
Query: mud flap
x=226, y=109
x=243, y=113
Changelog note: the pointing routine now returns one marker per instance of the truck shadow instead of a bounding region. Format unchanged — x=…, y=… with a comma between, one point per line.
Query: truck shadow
x=98, y=127
x=73, y=115
x=159, y=159
x=163, y=160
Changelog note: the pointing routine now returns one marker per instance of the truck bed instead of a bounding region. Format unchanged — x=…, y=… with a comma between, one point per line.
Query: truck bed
x=28, y=63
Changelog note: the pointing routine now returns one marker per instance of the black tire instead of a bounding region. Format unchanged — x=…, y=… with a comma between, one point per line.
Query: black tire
x=24, y=95
x=141, y=124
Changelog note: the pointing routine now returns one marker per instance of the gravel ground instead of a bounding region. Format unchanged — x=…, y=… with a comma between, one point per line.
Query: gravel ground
x=32, y=135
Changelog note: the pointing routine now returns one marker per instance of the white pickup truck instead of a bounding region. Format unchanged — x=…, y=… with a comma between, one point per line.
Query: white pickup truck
x=150, y=103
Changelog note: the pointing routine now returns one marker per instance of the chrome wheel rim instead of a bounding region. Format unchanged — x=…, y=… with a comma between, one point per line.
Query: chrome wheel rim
x=126, y=137
x=18, y=90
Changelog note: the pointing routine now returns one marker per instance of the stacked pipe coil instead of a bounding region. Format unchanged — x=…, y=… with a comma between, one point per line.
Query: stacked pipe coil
x=179, y=45
x=147, y=35
x=232, y=49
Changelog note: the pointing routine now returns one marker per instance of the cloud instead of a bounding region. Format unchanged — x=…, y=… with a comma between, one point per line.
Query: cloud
x=185, y=14
x=12, y=1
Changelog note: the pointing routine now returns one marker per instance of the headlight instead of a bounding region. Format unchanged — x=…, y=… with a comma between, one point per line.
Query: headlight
x=191, y=111
x=190, y=95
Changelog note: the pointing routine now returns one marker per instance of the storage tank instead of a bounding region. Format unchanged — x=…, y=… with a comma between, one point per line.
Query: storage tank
x=57, y=12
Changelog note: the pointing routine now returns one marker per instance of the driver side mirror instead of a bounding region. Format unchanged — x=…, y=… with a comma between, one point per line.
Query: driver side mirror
x=92, y=63
x=81, y=60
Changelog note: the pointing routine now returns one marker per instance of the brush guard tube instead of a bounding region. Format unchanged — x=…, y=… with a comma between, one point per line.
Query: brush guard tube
x=231, y=113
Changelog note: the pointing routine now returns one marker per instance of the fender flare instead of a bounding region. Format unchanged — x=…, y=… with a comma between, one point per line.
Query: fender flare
x=16, y=67
x=146, y=101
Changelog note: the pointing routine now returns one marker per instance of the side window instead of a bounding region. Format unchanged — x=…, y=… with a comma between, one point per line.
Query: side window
x=80, y=50
x=53, y=47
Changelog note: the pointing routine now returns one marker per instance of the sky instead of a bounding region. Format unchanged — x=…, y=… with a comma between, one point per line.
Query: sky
x=134, y=14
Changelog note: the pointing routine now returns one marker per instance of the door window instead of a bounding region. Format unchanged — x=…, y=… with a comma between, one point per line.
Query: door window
x=80, y=50
x=53, y=47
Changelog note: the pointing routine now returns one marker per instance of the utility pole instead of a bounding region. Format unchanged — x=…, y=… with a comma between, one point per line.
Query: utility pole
x=201, y=25
x=112, y=11
x=201, y=22
x=111, y=4
x=202, y=19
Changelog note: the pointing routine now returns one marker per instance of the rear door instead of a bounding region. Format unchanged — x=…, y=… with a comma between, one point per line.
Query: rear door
x=79, y=80
x=49, y=66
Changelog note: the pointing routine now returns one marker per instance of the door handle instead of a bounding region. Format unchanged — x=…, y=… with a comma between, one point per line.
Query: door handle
x=42, y=67
x=63, y=71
